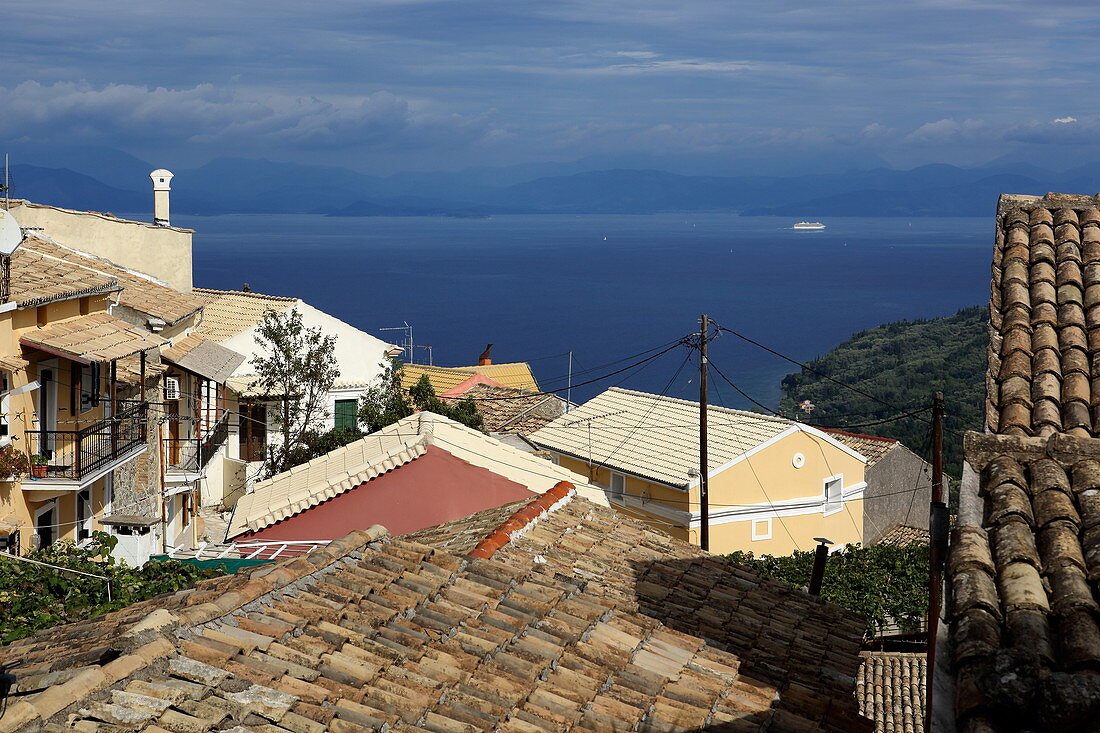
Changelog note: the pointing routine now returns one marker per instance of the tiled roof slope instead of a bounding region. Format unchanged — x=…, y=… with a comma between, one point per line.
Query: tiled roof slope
x=140, y=292
x=516, y=375
x=800, y=649
x=1045, y=316
x=1024, y=586
x=891, y=689
x=373, y=632
x=230, y=312
x=37, y=279
x=872, y=447
x=903, y=535
x=94, y=337
x=653, y=436
x=509, y=410
x=291, y=492
x=204, y=357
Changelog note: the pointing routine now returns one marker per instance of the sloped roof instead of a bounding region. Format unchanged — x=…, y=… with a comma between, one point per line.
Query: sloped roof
x=374, y=631
x=37, y=279
x=139, y=291
x=444, y=379
x=891, y=690
x=871, y=447
x=230, y=312
x=1023, y=568
x=903, y=535
x=515, y=410
x=94, y=337
x=1045, y=289
x=657, y=437
x=203, y=357
x=352, y=465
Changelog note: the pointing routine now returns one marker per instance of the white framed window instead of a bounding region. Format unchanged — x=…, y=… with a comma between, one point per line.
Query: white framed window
x=618, y=484
x=762, y=529
x=834, y=494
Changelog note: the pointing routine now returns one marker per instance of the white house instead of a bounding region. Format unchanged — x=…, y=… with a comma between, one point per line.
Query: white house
x=232, y=318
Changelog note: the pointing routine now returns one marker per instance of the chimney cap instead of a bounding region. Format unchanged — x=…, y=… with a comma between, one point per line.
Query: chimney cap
x=162, y=179
x=486, y=357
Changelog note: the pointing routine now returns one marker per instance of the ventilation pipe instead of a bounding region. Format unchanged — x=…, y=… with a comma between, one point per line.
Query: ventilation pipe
x=162, y=184
x=486, y=358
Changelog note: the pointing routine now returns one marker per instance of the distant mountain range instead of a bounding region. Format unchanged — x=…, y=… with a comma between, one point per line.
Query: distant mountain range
x=103, y=179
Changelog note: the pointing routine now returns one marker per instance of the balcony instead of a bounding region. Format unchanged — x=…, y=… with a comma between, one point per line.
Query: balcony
x=80, y=456
x=190, y=455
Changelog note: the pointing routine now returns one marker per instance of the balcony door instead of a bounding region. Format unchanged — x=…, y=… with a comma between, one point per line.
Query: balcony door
x=47, y=407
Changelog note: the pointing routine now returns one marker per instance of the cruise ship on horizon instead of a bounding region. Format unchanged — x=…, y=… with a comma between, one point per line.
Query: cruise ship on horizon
x=808, y=225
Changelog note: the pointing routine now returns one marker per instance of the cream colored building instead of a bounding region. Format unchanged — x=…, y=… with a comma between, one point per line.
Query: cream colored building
x=156, y=249
x=76, y=335
x=774, y=484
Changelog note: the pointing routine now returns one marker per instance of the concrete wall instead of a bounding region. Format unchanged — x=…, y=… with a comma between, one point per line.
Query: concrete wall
x=163, y=252
x=890, y=498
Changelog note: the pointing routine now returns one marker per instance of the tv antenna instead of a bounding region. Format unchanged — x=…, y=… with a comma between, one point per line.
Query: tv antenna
x=407, y=344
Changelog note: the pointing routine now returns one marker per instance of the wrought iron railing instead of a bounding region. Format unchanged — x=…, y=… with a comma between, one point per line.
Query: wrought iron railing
x=192, y=454
x=76, y=454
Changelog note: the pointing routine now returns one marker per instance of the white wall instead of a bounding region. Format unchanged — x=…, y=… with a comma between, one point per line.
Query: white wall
x=358, y=354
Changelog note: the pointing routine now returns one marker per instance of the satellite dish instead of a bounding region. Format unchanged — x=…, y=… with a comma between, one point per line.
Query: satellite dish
x=10, y=233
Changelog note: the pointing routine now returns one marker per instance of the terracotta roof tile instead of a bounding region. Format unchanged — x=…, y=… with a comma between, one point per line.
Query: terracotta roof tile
x=230, y=312
x=140, y=292
x=374, y=631
x=872, y=447
x=508, y=410
x=444, y=379
x=1024, y=583
x=37, y=279
x=94, y=337
x=903, y=535
x=891, y=689
x=1044, y=315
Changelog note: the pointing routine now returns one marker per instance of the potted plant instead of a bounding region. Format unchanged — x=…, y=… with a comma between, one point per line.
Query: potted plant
x=38, y=466
x=13, y=463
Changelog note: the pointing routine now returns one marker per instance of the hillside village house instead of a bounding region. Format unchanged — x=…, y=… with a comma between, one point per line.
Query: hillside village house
x=418, y=472
x=774, y=484
x=231, y=318
x=899, y=484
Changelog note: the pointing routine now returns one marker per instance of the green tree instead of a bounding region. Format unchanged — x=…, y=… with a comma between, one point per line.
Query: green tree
x=387, y=402
x=883, y=583
x=297, y=364
x=316, y=443
x=33, y=597
x=902, y=363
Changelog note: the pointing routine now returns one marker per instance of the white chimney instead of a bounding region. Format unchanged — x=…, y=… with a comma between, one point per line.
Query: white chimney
x=162, y=184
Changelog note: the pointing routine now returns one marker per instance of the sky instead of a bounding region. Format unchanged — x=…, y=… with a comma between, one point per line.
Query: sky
x=715, y=86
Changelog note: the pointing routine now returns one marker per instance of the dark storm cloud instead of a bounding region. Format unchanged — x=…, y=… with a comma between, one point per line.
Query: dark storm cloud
x=441, y=83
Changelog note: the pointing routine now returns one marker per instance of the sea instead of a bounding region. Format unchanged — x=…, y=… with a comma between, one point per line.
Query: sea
x=606, y=287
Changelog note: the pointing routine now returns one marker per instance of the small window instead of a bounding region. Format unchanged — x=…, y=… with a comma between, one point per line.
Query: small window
x=834, y=500
x=618, y=484
x=762, y=529
x=344, y=414
x=83, y=515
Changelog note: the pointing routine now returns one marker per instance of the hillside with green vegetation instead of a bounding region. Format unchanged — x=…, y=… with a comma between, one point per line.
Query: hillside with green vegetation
x=901, y=363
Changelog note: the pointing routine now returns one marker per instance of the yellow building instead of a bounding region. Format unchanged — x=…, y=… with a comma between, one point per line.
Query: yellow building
x=83, y=396
x=774, y=484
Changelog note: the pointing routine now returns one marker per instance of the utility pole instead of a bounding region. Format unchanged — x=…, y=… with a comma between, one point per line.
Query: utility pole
x=569, y=389
x=938, y=528
x=704, y=498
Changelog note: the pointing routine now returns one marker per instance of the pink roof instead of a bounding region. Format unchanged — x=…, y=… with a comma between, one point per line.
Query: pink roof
x=463, y=387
